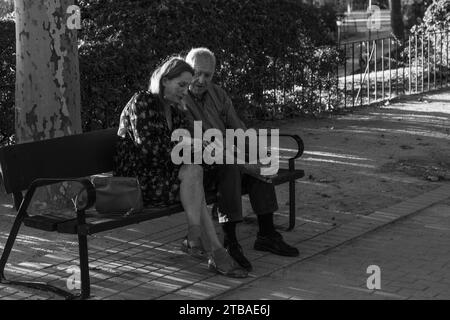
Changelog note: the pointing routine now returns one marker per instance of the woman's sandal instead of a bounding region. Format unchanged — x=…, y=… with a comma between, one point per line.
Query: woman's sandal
x=196, y=252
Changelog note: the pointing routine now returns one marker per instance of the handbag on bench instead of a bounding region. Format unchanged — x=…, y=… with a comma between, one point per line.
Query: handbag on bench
x=116, y=195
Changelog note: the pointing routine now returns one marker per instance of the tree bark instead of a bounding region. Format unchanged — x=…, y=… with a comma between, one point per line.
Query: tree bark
x=396, y=18
x=47, y=100
x=47, y=78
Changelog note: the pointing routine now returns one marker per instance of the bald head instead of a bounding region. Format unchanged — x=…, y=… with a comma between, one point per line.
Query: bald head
x=202, y=54
x=204, y=64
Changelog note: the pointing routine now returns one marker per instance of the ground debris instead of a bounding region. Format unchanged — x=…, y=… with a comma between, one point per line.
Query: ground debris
x=432, y=178
x=421, y=168
x=327, y=180
x=324, y=195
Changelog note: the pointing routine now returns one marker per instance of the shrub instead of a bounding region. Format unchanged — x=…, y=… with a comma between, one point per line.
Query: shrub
x=436, y=18
x=274, y=57
x=6, y=8
x=7, y=80
x=260, y=45
x=434, y=30
x=413, y=12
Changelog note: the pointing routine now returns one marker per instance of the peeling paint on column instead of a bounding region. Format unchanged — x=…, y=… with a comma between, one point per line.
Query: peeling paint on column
x=47, y=84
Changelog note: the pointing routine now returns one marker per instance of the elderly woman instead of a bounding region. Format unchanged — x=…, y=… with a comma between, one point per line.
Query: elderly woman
x=146, y=126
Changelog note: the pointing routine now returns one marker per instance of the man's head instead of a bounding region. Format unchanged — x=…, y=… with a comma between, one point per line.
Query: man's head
x=204, y=64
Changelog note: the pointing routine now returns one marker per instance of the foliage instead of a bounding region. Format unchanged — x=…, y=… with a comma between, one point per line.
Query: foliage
x=6, y=8
x=274, y=57
x=260, y=45
x=436, y=18
x=434, y=32
x=413, y=12
x=7, y=78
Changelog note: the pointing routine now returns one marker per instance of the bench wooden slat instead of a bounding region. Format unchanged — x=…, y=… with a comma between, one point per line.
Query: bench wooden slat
x=99, y=223
x=96, y=223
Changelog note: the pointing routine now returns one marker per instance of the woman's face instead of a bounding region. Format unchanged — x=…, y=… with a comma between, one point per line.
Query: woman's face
x=175, y=89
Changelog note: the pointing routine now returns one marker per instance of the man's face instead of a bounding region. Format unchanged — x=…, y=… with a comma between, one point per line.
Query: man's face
x=204, y=71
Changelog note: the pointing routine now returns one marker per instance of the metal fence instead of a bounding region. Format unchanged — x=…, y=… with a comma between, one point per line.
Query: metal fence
x=356, y=74
x=378, y=70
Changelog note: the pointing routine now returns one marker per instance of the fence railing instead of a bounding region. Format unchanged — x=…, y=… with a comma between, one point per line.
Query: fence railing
x=380, y=69
x=356, y=74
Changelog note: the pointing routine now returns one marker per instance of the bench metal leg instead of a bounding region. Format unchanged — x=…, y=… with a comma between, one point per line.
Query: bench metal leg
x=10, y=242
x=291, y=197
x=291, y=205
x=83, y=252
x=84, y=266
x=4, y=259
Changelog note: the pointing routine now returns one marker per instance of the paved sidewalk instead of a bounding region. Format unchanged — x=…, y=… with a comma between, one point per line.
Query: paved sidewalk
x=413, y=256
x=141, y=266
x=348, y=209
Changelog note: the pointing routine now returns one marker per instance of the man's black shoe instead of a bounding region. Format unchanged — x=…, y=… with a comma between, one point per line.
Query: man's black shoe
x=235, y=251
x=274, y=243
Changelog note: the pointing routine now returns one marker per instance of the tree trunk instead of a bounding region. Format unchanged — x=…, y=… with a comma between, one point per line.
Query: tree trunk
x=396, y=18
x=47, y=78
x=47, y=97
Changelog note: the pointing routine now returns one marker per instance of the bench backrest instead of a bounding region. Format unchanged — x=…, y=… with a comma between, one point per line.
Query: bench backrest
x=72, y=156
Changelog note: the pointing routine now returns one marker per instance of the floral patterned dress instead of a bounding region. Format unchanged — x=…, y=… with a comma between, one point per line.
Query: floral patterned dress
x=143, y=151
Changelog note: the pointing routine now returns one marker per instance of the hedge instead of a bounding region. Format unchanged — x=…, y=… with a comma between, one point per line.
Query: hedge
x=7, y=80
x=274, y=56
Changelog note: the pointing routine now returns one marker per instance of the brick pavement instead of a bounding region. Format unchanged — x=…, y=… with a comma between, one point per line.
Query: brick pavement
x=140, y=265
x=412, y=253
x=343, y=198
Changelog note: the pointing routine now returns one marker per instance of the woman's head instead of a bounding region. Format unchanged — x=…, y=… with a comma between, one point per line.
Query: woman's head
x=170, y=81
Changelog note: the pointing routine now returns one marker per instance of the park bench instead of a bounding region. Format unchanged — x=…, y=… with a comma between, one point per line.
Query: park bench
x=25, y=167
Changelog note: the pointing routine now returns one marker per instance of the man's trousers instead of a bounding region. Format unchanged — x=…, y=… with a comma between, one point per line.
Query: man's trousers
x=229, y=182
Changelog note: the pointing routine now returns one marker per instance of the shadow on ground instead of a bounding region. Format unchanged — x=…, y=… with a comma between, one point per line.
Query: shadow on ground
x=355, y=164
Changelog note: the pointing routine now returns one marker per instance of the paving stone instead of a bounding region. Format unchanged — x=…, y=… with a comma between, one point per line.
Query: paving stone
x=144, y=261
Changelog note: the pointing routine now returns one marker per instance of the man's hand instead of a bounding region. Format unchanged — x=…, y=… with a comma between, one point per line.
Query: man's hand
x=214, y=148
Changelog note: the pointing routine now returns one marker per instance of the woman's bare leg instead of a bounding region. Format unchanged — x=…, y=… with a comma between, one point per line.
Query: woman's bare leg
x=191, y=196
x=209, y=234
x=201, y=226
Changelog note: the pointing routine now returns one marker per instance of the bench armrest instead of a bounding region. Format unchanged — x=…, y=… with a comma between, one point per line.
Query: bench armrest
x=299, y=141
x=300, y=145
x=87, y=184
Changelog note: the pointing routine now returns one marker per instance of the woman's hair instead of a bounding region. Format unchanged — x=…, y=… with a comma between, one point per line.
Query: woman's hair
x=172, y=67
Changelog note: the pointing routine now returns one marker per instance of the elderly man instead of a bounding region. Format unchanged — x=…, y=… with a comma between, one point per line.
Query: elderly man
x=210, y=104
